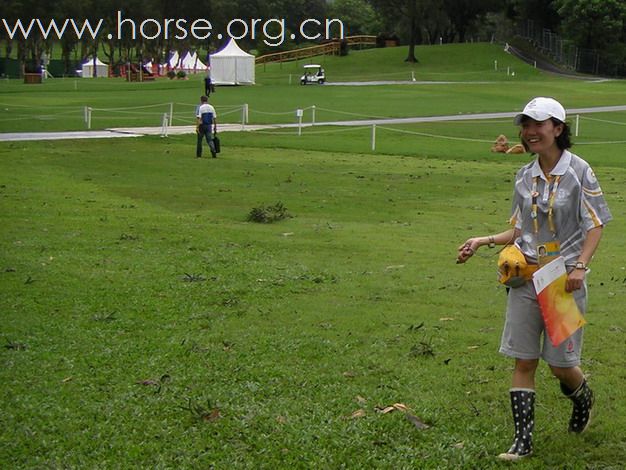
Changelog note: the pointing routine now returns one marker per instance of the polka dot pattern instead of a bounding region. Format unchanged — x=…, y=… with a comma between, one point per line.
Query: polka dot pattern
x=523, y=408
x=582, y=399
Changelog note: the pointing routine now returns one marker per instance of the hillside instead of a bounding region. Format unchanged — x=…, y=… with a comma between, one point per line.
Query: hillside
x=455, y=62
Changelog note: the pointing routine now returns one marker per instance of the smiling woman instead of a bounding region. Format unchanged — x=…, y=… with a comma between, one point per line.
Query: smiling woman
x=559, y=204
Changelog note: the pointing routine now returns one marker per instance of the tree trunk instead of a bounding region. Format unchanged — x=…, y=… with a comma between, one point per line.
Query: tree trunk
x=412, y=32
x=461, y=32
x=8, y=47
x=21, y=55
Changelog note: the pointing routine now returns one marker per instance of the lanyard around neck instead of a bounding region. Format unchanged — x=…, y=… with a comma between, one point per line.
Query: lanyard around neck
x=535, y=195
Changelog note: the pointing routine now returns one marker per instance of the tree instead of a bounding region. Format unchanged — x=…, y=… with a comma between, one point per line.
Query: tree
x=463, y=13
x=358, y=16
x=403, y=12
x=594, y=24
x=542, y=12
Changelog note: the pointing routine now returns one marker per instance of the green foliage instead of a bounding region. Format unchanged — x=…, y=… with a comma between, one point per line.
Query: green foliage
x=543, y=14
x=268, y=214
x=358, y=16
x=595, y=24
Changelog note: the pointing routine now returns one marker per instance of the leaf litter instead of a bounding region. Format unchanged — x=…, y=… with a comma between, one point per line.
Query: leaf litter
x=383, y=410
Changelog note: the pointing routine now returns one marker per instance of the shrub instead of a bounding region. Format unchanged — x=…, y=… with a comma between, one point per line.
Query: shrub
x=171, y=74
x=181, y=74
x=268, y=214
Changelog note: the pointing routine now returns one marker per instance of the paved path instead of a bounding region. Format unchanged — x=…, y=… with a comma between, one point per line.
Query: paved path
x=179, y=130
x=406, y=82
x=120, y=132
x=463, y=117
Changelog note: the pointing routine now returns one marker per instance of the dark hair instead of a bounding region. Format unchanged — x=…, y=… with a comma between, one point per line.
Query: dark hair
x=563, y=141
x=204, y=99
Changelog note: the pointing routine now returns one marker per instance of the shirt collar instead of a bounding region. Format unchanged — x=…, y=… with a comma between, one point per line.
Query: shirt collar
x=561, y=166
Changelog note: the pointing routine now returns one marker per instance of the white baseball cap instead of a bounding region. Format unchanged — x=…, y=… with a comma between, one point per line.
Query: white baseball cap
x=540, y=109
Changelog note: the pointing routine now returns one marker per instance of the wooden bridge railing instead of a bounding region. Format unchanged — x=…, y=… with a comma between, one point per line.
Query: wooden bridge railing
x=330, y=48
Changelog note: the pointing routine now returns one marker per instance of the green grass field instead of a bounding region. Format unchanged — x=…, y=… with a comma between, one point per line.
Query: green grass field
x=59, y=104
x=146, y=323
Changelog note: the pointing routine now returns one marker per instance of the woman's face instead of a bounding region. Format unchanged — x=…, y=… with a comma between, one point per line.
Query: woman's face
x=540, y=136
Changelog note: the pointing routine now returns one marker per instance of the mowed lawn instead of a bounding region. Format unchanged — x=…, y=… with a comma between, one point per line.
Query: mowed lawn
x=451, y=79
x=146, y=323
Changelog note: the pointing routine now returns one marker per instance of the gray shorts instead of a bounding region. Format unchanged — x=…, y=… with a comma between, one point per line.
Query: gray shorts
x=524, y=328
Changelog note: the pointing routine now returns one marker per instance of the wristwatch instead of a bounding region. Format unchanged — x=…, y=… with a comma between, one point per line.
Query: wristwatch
x=492, y=242
x=580, y=265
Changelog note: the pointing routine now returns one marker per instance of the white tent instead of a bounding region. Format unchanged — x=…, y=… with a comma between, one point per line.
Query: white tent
x=101, y=70
x=197, y=64
x=154, y=68
x=191, y=63
x=174, y=59
x=232, y=66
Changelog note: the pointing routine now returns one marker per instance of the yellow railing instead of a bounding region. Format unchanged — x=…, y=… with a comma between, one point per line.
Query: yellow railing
x=361, y=40
x=330, y=48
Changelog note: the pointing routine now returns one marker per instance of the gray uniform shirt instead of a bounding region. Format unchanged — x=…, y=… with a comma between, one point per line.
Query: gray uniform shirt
x=579, y=206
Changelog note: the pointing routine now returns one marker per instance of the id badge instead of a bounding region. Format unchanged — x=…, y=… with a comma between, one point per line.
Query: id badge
x=547, y=252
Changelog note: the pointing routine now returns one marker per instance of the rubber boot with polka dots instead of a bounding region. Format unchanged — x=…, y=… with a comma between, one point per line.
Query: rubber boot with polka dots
x=583, y=399
x=523, y=407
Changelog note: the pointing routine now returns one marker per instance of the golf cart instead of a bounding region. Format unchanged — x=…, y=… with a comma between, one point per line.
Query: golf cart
x=313, y=74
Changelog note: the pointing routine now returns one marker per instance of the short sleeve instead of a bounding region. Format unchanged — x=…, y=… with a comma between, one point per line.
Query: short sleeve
x=594, y=210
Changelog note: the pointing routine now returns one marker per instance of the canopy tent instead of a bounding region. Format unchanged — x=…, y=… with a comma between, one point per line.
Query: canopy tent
x=191, y=63
x=174, y=59
x=88, y=71
x=152, y=67
x=232, y=66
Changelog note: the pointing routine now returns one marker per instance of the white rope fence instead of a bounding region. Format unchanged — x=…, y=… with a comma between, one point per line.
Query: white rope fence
x=320, y=132
x=164, y=115
x=436, y=136
x=376, y=127
x=604, y=120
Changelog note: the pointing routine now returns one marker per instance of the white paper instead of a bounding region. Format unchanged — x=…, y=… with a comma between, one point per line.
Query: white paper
x=549, y=273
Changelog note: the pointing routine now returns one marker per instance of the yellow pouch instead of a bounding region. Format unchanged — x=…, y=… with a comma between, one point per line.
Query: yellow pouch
x=513, y=270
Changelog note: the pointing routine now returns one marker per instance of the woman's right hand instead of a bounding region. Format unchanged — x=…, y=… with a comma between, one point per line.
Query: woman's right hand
x=467, y=250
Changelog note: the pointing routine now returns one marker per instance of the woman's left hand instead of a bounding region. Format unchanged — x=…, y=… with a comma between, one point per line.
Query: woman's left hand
x=575, y=280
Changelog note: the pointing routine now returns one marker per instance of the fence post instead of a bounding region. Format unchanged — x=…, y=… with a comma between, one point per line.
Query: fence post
x=373, y=137
x=299, y=114
x=171, y=117
x=164, y=122
x=577, y=124
x=244, y=112
x=313, y=115
x=88, y=116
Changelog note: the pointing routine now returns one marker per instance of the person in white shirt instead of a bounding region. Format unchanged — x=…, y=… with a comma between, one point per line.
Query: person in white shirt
x=206, y=126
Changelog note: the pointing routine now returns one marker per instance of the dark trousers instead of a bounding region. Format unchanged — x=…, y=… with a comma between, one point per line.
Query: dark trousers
x=204, y=132
x=208, y=87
